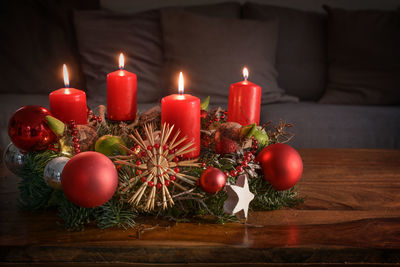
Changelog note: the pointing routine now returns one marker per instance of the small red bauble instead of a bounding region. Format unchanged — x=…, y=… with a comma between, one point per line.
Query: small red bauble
x=282, y=166
x=212, y=180
x=89, y=179
x=28, y=129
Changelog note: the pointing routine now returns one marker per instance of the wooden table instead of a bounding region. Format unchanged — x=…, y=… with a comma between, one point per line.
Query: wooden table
x=351, y=215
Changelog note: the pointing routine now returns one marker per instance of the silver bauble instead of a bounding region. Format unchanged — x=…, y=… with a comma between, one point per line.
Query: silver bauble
x=13, y=159
x=53, y=170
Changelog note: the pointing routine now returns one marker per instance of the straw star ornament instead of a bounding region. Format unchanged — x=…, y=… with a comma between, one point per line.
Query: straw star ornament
x=157, y=167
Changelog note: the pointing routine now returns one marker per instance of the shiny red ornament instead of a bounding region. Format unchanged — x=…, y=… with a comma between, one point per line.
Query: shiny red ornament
x=28, y=129
x=282, y=166
x=212, y=180
x=89, y=179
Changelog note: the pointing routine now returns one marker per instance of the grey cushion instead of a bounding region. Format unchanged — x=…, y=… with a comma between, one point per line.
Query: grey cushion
x=364, y=57
x=102, y=35
x=301, y=55
x=338, y=126
x=212, y=52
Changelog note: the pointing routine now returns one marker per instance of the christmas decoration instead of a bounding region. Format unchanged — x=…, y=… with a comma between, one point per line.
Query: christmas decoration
x=13, y=159
x=157, y=167
x=212, y=180
x=239, y=197
x=52, y=172
x=110, y=145
x=282, y=165
x=149, y=175
x=89, y=179
x=28, y=129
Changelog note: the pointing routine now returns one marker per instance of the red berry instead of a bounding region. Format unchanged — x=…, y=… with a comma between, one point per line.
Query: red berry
x=244, y=164
x=75, y=139
x=77, y=151
x=143, y=154
x=159, y=185
x=255, y=142
x=176, y=159
x=99, y=119
x=255, y=146
x=177, y=170
x=138, y=172
x=149, y=147
x=226, y=173
x=74, y=132
x=253, y=152
x=76, y=146
x=156, y=146
x=138, y=162
x=150, y=184
x=172, y=177
x=165, y=147
x=222, y=116
x=239, y=169
x=166, y=182
x=144, y=179
x=233, y=173
x=203, y=165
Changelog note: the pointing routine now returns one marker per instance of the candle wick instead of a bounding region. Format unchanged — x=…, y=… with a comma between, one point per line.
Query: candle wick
x=121, y=68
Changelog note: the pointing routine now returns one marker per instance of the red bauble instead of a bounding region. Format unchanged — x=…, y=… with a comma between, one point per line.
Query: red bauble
x=282, y=165
x=89, y=179
x=212, y=180
x=28, y=129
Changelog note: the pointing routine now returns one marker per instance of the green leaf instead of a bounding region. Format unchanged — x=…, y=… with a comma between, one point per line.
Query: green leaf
x=55, y=125
x=205, y=103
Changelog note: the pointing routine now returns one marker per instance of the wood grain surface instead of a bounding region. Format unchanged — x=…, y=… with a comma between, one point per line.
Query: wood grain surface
x=351, y=215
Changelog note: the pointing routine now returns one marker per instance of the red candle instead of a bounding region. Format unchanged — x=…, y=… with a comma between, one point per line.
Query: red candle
x=68, y=104
x=183, y=111
x=244, y=101
x=121, y=94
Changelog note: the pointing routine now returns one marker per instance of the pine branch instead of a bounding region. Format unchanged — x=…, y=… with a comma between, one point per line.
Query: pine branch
x=35, y=194
x=115, y=213
x=267, y=198
x=74, y=217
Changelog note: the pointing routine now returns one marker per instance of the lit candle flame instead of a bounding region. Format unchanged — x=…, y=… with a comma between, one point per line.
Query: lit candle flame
x=121, y=61
x=245, y=73
x=180, y=84
x=66, y=78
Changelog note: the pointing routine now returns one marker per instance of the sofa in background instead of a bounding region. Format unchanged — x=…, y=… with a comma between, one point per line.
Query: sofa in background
x=295, y=54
